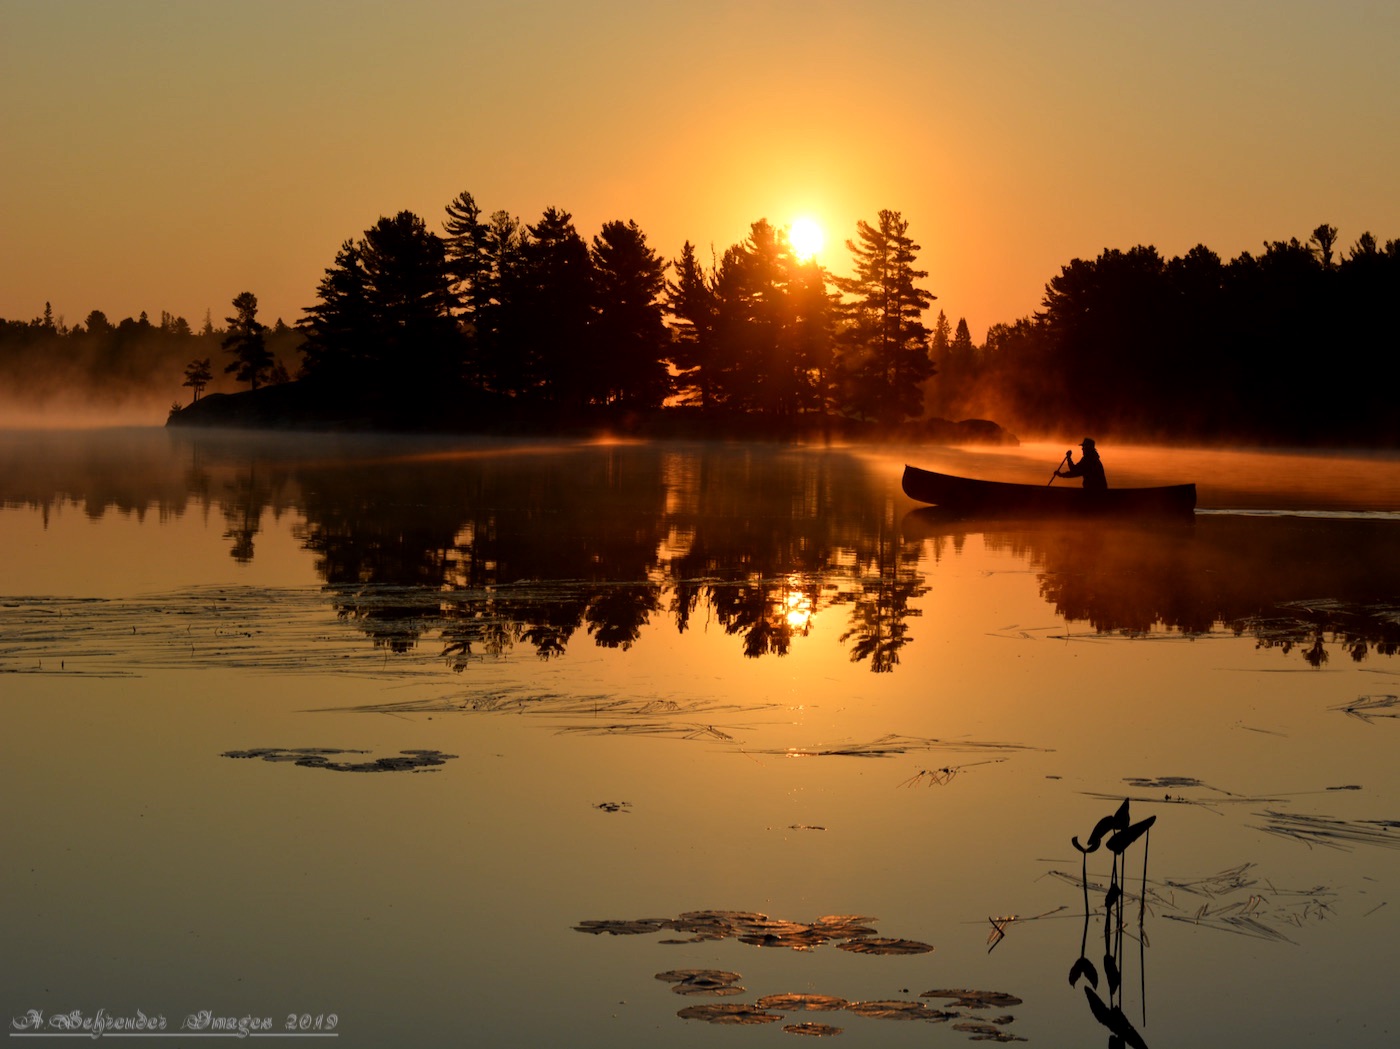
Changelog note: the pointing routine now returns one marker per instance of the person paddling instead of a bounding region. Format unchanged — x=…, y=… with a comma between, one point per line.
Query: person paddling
x=1089, y=467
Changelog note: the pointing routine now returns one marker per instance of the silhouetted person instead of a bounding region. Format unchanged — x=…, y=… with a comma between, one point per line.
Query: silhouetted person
x=1089, y=467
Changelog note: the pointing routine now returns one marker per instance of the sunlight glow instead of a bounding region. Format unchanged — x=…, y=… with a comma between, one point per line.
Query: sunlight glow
x=798, y=611
x=806, y=237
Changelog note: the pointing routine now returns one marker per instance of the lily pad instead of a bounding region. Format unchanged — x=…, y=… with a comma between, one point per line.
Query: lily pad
x=986, y=1032
x=623, y=927
x=897, y=1009
x=728, y=1013
x=975, y=999
x=320, y=758
x=884, y=945
x=816, y=1003
x=813, y=1030
x=715, y=982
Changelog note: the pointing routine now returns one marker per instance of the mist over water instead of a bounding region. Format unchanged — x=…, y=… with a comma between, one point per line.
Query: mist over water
x=1254, y=479
x=132, y=408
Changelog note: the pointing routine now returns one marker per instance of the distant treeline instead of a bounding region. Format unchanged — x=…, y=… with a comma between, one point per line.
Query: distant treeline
x=1292, y=345
x=96, y=362
x=1299, y=344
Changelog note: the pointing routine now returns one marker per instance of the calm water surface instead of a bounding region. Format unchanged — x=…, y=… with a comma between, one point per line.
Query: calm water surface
x=467, y=744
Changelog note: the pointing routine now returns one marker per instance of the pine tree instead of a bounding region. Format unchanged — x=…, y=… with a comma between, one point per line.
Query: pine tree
x=884, y=345
x=339, y=327
x=751, y=289
x=629, y=338
x=940, y=344
x=468, y=250
x=497, y=361
x=384, y=321
x=693, y=305
x=246, y=340
x=551, y=307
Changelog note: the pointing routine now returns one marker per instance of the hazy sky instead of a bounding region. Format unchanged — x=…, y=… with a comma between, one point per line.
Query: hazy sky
x=170, y=155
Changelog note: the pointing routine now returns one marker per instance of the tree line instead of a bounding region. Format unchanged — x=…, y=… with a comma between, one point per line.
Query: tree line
x=1296, y=344
x=47, y=360
x=1129, y=345
x=1292, y=344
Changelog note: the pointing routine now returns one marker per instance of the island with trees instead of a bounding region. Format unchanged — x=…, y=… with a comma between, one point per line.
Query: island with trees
x=502, y=327
x=499, y=326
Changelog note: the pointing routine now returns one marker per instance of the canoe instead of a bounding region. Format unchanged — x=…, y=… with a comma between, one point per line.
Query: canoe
x=966, y=495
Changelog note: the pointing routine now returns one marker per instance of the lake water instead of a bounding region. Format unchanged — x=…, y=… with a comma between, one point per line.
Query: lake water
x=430, y=743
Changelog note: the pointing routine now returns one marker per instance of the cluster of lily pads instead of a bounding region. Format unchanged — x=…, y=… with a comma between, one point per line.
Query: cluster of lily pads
x=846, y=932
x=774, y=1008
x=760, y=930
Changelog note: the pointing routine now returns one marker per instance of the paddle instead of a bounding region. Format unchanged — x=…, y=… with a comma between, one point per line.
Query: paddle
x=1056, y=474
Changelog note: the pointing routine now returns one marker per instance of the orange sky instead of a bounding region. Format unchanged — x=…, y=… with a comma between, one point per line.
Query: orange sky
x=168, y=156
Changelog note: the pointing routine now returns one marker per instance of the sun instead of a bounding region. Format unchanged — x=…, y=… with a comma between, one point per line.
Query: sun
x=806, y=237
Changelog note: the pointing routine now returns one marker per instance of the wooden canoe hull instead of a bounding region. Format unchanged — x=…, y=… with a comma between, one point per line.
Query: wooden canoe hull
x=969, y=496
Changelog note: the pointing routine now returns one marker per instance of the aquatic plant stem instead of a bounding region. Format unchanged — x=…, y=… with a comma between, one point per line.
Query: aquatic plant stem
x=1142, y=928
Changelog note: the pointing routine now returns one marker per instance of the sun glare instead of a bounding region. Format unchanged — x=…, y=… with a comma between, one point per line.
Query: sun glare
x=798, y=610
x=806, y=237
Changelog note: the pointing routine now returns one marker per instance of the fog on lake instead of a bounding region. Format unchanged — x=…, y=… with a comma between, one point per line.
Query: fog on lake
x=674, y=736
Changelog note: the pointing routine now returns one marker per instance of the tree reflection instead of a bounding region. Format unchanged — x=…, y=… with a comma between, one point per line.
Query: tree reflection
x=247, y=496
x=1295, y=584
x=485, y=557
x=616, y=615
x=485, y=551
x=479, y=636
x=383, y=557
x=885, y=583
x=756, y=611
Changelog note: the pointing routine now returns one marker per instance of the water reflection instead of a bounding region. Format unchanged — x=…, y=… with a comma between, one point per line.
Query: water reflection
x=827, y=791
x=485, y=556
x=485, y=551
x=1294, y=583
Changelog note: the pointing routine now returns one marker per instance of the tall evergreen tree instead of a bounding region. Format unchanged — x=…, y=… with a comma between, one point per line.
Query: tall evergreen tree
x=884, y=344
x=468, y=252
x=749, y=291
x=340, y=327
x=551, y=308
x=247, y=341
x=961, y=350
x=629, y=338
x=808, y=336
x=384, y=322
x=772, y=326
x=692, y=302
x=940, y=345
x=499, y=360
